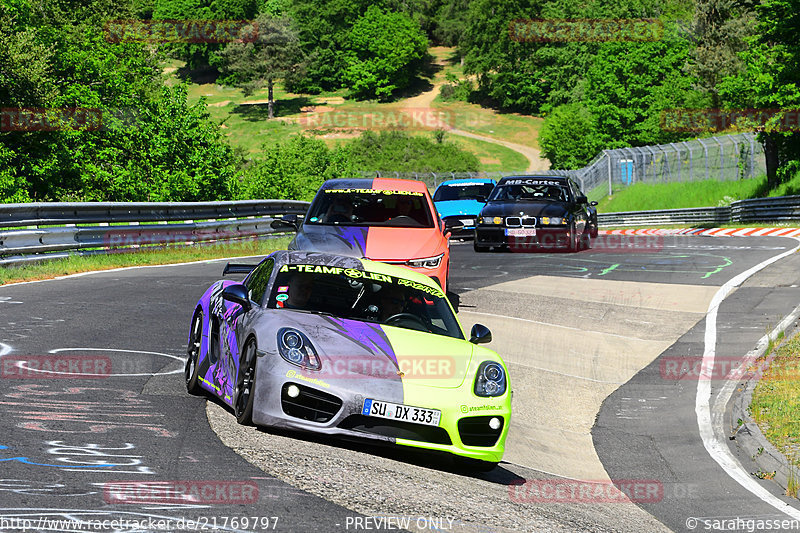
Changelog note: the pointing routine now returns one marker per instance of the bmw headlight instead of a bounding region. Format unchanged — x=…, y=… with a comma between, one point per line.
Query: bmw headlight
x=491, y=221
x=295, y=348
x=490, y=379
x=553, y=221
x=426, y=262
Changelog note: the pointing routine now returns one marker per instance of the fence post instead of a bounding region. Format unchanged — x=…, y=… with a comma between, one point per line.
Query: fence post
x=752, y=153
x=678, y=152
x=691, y=168
x=721, y=159
x=705, y=154
x=610, y=190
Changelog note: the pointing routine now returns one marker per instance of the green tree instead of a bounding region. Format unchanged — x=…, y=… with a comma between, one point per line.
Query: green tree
x=385, y=51
x=294, y=170
x=398, y=151
x=569, y=137
x=274, y=55
x=771, y=80
x=630, y=84
x=720, y=30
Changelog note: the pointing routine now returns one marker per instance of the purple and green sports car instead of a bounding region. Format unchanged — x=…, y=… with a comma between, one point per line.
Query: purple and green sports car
x=350, y=347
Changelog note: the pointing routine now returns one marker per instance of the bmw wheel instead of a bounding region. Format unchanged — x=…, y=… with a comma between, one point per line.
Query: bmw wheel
x=193, y=354
x=572, y=245
x=244, y=394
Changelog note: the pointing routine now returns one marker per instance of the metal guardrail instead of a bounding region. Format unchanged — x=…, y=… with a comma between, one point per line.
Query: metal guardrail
x=37, y=231
x=779, y=208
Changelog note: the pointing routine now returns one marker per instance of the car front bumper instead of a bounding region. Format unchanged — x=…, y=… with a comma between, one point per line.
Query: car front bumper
x=463, y=429
x=555, y=237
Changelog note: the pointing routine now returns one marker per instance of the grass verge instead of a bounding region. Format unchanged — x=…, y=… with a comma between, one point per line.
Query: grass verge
x=648, y=196
x=155, y=256
x=775, y=406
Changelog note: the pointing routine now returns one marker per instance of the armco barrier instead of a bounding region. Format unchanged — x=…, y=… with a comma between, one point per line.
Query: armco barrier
x=40, y=231
x=781, y=208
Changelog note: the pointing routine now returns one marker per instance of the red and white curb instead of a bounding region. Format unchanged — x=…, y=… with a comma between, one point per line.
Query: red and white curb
x=715, y=232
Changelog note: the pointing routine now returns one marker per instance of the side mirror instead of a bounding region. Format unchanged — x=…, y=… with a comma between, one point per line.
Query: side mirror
x=480, y=334
x=592, y=204
x=452, y=225
x=286, y=222
x=237, y=293
x=581, y=199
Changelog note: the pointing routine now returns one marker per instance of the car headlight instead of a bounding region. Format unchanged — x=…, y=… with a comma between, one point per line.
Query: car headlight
x=490, y=380
x=492, y=221
x=295, y=348
x=553, y=221
x=426, y=262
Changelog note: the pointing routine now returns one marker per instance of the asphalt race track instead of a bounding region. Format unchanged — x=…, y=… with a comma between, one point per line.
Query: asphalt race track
x=586, y=337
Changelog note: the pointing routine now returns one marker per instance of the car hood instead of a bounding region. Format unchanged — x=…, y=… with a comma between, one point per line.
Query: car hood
x=352, y=349
x=459, y=207
x=378, y=243
x=546, y=208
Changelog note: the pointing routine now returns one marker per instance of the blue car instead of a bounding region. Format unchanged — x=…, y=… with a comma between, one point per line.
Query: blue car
x=460, y=201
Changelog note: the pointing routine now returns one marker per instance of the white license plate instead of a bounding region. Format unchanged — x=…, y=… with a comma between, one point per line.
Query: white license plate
x=404, y=413
x=521, y=232
x=467, y=221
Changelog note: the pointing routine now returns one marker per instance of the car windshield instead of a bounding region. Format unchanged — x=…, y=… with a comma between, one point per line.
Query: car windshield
x=365, y=296
x=530, y=192
x=368, y=207
x=463, y=191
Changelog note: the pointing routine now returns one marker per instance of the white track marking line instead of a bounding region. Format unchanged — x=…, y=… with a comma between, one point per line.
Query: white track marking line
x=4, y=349
x=713, y=437
x=582, y=330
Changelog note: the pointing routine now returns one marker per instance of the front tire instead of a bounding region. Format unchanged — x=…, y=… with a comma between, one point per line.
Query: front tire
x=573, y=244
x=190, y=371
x=479, y=247
x=244, y=394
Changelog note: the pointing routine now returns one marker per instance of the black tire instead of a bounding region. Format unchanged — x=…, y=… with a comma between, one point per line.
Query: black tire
x=244, y=393
x=586, y=241
x=479, y=247
x=593, y=232
x=190, y=371
x=573, y=245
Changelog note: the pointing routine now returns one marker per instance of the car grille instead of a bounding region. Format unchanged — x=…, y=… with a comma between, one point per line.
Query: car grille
x=516, y=222
x=475, y=430
x=310, y=404
x=396, y=429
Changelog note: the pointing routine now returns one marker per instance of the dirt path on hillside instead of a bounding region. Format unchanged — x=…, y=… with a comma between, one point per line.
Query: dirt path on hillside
x=424, y=101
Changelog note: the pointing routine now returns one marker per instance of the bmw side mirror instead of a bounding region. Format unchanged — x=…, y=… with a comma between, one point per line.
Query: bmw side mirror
x=480, y=334
x=592, y=204
x=237, y=293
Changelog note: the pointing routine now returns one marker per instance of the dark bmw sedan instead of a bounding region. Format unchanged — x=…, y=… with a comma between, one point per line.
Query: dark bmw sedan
x=536, y=212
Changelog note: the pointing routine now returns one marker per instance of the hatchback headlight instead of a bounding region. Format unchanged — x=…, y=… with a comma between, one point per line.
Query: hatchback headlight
x=426, y=262
x=295, y=348
x=553, y=221
x=490, y=379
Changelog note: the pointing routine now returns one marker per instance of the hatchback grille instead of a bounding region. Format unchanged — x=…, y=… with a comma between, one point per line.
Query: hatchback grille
x=311, y=404
x=396, y=429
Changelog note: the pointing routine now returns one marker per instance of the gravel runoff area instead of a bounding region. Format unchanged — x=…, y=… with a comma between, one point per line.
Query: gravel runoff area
x=383, y=481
